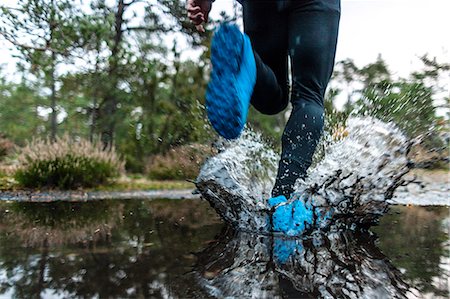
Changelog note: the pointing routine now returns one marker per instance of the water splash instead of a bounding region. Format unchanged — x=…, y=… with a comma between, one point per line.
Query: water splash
x=238, y=181
x=350, y=186
x=359, y=173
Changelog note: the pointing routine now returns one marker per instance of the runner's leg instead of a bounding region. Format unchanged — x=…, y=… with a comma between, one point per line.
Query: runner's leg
x=267, y=29
x=313, y=30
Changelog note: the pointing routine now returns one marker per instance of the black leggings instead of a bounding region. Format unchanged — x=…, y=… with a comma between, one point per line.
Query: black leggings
x=306, y=30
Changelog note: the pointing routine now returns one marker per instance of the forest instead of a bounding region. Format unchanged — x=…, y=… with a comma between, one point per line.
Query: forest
x=130, y=77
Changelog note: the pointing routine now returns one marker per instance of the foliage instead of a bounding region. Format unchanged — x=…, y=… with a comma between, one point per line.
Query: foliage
x=6, y=147
x=271, y=126
x=19, y=112
x=66, y=164
x=409, y=105
x=43, y=32
x=6, y=182
x=115, y=71
x=371, y=90
x=179, y=163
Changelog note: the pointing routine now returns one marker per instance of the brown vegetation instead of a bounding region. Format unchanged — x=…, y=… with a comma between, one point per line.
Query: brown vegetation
x=6, y=147
x=181, y=162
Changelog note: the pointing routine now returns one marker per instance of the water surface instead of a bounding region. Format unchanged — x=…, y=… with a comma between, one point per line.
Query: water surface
x=181, y=249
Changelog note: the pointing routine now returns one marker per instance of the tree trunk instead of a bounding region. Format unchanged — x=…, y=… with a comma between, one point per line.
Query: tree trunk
x=93, y=119
x=53, y=125
x=110, y=99
x=95, y=96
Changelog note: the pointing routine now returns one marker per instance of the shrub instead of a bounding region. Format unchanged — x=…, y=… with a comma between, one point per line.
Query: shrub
x=181, y=162
x=6, y=146
x=66, y=164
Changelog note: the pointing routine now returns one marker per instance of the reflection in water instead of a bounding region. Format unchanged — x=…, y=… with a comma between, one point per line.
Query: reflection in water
x=417, y=240
x=148, y=247
x=337, y=265
x=58, y=223
x=57, y=251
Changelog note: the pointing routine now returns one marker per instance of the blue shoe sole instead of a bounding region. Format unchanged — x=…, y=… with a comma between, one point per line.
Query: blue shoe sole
x=233, y=78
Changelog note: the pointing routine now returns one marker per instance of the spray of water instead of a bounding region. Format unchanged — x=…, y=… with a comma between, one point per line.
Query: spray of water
x=238, y=181
x=349, y=186
x=359, y=173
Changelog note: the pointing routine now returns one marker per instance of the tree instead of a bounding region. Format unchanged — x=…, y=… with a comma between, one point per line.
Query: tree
x=372, y=90
x=42, y=30
x=408, y=104
x=20, y=105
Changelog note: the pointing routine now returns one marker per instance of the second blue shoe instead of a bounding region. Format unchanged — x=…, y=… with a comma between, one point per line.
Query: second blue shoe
x=233, y=78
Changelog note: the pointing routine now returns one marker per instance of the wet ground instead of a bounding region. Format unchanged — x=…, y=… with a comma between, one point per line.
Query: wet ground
x=181, y=249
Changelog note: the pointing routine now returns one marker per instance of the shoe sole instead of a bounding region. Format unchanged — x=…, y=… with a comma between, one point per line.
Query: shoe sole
x=232, y=80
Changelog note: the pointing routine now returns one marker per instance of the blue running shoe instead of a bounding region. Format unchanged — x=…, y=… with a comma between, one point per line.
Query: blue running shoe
x=290, y=218
x=233, y=78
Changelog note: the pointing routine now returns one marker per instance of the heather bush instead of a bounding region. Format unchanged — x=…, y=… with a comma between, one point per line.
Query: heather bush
x=179, y=163
x=66, y=164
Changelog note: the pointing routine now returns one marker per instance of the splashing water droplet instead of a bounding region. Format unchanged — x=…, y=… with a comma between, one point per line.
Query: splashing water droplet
x=351, y=184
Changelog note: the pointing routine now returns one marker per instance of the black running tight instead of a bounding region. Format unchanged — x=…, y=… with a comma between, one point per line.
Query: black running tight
x=306, y=31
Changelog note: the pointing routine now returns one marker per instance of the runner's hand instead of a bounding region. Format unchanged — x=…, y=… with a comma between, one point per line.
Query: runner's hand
x=198, y=11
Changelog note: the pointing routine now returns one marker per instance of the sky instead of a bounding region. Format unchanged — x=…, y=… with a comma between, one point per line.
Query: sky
x=400, y=30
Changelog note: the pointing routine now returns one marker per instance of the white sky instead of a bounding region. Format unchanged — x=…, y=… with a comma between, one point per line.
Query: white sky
x=399, y=30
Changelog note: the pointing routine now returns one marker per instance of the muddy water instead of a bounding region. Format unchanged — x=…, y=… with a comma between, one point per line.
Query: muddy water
x=181, y=249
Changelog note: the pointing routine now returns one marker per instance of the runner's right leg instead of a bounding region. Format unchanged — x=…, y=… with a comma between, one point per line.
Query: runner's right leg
x=268, y=32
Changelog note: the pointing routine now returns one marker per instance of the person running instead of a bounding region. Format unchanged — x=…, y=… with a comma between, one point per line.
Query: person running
x=252, y=68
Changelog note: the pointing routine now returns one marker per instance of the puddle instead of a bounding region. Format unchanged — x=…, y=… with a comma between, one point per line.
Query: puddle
x=181, y=249
x=417, y=241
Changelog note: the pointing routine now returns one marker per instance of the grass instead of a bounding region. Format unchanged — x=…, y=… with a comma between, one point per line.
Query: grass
x=7, y=183
x=136, y=183
x=124, y=183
